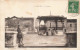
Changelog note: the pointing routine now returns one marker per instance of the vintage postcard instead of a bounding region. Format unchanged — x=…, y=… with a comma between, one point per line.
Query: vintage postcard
x=48, y=24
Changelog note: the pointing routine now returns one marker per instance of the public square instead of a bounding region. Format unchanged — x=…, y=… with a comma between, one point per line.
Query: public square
x=43, y=40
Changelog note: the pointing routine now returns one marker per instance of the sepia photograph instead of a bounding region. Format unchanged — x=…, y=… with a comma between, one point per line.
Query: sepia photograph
x=44, y=31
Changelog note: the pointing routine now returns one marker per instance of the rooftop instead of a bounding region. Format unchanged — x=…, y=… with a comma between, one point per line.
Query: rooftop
x=50, y=17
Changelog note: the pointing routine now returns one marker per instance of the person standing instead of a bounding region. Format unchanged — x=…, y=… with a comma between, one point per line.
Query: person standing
x=19, y=37
x=52, y=32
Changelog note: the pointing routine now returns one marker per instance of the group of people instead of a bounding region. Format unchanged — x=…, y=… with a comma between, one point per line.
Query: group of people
x=48, y=32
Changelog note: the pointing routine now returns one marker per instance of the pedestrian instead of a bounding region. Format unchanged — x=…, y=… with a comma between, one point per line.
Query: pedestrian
x=19, y=37
x=47, y=33
x=52, y=31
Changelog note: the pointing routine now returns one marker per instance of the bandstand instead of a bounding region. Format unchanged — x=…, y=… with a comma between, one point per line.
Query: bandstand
x=52, y=25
